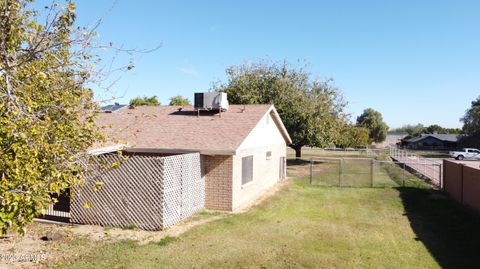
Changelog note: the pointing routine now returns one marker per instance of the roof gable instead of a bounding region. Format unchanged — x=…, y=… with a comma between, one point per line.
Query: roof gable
x=177, y=128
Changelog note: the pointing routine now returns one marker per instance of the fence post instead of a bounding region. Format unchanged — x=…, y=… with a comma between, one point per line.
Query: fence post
x=340, y=178
x=461, y=183
x=425, y=167
x=441, y=175
x=403, y=175
x=311, y=170
x=372, y=168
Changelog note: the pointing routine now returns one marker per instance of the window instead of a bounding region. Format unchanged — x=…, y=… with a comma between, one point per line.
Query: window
x=269, y=155
x=247, y=169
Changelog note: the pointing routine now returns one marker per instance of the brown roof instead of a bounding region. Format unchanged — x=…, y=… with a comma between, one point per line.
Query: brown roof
x=165, y=127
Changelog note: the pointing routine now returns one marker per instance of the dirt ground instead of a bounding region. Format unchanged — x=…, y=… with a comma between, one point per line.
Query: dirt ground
x=40, y=245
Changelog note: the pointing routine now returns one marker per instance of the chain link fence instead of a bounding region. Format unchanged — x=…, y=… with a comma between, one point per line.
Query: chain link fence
x=429, y=168
x=362, y=172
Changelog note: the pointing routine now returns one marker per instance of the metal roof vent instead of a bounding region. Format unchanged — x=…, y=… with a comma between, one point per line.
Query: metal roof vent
x=211, y=101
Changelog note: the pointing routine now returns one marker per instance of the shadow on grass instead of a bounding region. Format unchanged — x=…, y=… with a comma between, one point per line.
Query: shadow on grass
x=303, y=162
x=295, y=162
x=449, y=230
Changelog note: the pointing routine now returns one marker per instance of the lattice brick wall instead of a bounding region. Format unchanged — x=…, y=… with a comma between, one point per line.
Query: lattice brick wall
x=148, y=192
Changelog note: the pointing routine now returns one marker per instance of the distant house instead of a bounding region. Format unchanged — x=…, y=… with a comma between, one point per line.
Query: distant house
x=242, y=150
x=434, y=141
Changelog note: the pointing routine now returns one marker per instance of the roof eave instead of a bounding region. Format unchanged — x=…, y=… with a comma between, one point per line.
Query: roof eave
x=108, y=149
x=181, y=151
x=280, y=124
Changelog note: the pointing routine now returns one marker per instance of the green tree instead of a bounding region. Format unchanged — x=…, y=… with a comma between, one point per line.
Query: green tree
x=353, y=137
x=471, y=119
x=311, y=110
x=373, y=121
x=471, y=125
x=145, y=101
x=417, y=130
x=434, y=129
x=453, y=130
x=412, y=130
x=179, y=101
x=46, y=112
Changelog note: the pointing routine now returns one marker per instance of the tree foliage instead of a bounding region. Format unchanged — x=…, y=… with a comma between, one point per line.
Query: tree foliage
x=312, y=110
x=471, y=119
x=145, y=101
x=179, y=101
x=417, y=130
x=471, y=125
x=353, y=137
x=373, y=121
x=46, y=111
x=411, y=129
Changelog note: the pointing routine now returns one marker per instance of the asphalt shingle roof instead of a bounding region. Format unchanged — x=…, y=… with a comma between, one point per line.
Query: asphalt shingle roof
x=442, y=137
x=168, y=127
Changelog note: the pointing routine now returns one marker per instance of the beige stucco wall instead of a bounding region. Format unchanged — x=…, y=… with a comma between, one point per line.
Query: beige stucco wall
x=264, y=137
x=223, y=174
x=266, y=173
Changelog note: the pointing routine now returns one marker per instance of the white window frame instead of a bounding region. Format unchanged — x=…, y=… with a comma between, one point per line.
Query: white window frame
x=246, y=173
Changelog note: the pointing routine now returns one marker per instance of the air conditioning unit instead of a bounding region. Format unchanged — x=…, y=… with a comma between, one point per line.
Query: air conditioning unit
x=211, y=101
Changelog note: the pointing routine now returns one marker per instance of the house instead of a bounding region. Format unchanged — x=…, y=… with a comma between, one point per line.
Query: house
x=434, y=141
x=242, y=150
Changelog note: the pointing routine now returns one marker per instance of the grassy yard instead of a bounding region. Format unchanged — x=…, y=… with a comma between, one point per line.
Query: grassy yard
x=355, y=173
x=430, y=153
x=305, y=226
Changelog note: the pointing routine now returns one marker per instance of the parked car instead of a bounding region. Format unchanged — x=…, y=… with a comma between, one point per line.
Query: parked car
x=466, y=153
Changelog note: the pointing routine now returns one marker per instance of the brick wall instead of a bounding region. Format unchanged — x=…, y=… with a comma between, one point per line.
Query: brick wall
x=218, y=182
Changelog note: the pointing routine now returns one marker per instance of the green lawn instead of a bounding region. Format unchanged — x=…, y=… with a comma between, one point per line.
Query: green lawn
x=430, y=153
x=311, y=226
x=355, y=173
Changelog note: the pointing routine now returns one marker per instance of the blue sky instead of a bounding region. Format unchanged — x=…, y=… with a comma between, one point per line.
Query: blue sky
x=414, y=61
